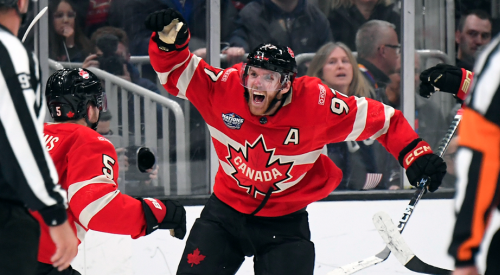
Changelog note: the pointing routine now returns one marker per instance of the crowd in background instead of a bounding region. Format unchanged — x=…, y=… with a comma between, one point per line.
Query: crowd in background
x=105, y=33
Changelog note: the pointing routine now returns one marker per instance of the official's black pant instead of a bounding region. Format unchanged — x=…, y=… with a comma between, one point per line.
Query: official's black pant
x=19, y=237
x=48, y=269
x=493, y=257
x=222, y=237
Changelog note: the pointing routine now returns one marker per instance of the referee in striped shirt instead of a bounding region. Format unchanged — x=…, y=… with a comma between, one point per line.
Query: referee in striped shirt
x=478, y=167
x=28, y=178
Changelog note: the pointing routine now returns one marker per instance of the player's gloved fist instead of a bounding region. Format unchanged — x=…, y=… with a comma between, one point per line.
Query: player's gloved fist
x=171, y=29
x=420, y=162
x=164, y=214
x=446, y=78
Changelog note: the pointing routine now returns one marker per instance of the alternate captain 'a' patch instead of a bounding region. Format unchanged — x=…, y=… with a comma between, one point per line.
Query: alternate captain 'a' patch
x=256, y=168
x=232, y=120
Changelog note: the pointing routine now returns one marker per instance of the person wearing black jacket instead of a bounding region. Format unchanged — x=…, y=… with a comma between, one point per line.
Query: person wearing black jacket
x=347, y=16
x=28, y=178
x=194, y=11
x=296, y=23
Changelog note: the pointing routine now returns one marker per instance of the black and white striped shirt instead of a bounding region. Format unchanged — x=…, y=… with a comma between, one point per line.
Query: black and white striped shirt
x=27, y=173
x=478, y=159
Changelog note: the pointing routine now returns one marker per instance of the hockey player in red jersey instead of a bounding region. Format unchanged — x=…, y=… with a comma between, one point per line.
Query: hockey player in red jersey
x=268, y=129
x=88, y=170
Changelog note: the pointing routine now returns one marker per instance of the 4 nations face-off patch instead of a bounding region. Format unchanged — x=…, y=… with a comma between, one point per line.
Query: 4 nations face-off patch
x=232, y=120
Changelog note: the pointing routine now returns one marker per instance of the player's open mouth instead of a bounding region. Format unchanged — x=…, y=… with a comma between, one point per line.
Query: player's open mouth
x=258, y=97
x=341, y=75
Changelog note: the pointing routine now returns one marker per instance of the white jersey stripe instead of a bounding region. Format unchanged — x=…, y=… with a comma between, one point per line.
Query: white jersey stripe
x=463, y=160
x=75, y=187
x=20, y=146
x=163, y=77
x=186, y=76
x=389, y=113
x=360, y=122
x=487, y=83
x=94, y=207
x=80, y=232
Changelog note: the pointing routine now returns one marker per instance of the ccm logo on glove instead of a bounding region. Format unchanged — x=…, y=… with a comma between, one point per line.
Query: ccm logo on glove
x=422, y=148
x=465, y=85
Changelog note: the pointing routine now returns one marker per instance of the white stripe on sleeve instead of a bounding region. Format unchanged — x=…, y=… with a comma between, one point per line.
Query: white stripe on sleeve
x=389, y=113
x=186, y=76
x=94, y=207
x=73, y=188
x=360, y=122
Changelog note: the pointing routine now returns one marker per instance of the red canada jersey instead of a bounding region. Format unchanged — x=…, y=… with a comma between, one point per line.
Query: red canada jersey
x=87, y=166
x=280, y=154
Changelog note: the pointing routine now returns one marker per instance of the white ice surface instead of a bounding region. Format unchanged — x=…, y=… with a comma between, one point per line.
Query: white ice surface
x=342, y=232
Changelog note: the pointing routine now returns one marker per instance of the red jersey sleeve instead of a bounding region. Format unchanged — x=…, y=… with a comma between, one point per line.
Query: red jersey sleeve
x=93, y=196
x=359, y=118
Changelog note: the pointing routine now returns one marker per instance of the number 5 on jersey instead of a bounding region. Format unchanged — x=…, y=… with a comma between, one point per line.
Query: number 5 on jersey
x=107, y=170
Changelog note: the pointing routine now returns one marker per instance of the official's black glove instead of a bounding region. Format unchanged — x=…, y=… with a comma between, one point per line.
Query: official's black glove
x=446, y=78
x=171, y=29
x=164, y=214
x=419, y=161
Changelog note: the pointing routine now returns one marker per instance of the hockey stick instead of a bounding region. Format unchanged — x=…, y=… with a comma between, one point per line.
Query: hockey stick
x=421, y=189
x=392, y=237
x=37, y=17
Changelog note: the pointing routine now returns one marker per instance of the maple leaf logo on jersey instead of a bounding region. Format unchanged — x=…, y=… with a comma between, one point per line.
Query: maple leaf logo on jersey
x=257, y=169
x=195, y=258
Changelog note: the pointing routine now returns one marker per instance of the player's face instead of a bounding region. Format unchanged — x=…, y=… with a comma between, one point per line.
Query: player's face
x=263, y=86
x=337, y=71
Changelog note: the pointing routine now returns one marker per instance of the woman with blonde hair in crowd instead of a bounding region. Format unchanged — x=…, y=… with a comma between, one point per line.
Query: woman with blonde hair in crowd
x=336, y=66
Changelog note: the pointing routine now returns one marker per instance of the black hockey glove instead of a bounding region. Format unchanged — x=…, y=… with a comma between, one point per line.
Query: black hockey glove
x=171, y=29
x=419, y=161
x=446, y=78
x=164, y=214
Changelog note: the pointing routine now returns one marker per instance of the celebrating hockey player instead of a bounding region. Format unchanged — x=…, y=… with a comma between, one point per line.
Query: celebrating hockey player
x=268, y=129
x=88, y=169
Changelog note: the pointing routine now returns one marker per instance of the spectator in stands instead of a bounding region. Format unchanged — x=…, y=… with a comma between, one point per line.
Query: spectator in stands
x=335, y=65
x=111, y=54
x=66, y=39
x=97, y=14
x=378, y=58
x=346, y=16
x=296, y=23
x=109, y=45
x=472, y=34
x=130, y=15
x=378, y=51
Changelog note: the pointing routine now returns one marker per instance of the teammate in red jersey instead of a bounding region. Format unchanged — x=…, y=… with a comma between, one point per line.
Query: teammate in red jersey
x=87, y=166
x=268, y=129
